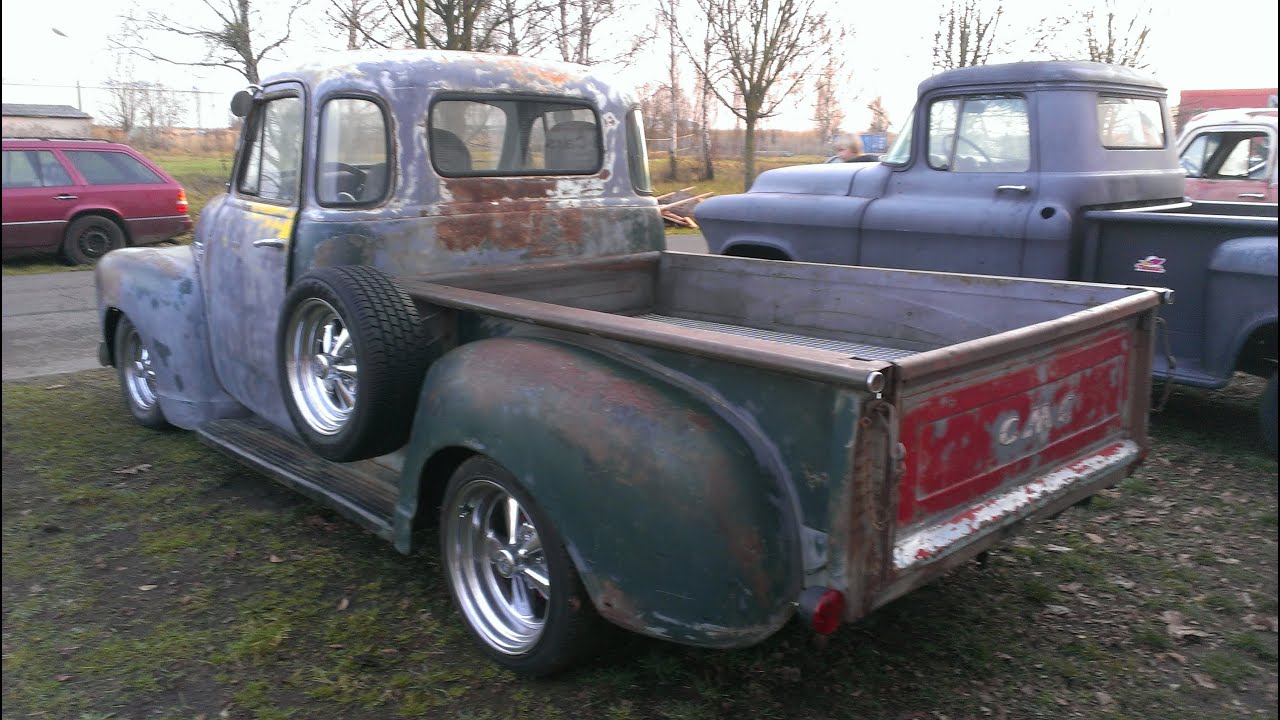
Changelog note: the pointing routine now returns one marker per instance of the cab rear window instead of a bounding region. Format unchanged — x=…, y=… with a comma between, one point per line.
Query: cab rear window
x=514, y=136
x=1126, y=123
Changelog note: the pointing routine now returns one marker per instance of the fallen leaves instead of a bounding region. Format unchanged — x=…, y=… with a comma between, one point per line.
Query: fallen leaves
x=1260, y=622
x=133, y=470
x=1175, y=625
x=276, y=559
x=147, y=588
x=343, y=604
x=1204, y=681
x=1094, y=538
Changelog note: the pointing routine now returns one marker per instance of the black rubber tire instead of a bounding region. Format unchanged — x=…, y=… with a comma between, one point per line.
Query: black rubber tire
x=90, y=237
x=574, y=630
x=152, y=416
x=392, y=351
x=1267, y=416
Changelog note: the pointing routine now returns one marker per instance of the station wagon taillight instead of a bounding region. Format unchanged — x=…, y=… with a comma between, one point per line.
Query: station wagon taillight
x=183, y=205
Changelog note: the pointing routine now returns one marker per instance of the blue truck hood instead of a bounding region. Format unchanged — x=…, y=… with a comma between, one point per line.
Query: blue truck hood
x=818, y=179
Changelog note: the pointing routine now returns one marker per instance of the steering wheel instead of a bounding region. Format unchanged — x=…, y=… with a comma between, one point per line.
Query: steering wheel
x=360, y=178
x=985, y=157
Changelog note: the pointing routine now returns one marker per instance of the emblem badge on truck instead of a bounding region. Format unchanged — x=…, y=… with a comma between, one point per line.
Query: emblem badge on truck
x=1151, y=264
x=1041, y=420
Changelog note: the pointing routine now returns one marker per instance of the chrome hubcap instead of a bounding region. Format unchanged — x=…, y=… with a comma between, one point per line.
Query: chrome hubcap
x=321, y=366
x=140, y=376
x=498, y=567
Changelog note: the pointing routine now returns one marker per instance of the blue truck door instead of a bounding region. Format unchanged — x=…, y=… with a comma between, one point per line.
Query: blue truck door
x=963, y=201
x=246, y=264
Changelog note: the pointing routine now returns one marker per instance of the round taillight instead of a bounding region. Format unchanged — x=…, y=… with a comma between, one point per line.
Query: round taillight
x=822, y=609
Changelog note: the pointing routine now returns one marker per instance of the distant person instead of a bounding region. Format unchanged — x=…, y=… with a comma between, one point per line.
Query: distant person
x=849, y=149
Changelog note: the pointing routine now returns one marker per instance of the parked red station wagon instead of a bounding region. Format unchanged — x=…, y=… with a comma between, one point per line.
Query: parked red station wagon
x=82, y=198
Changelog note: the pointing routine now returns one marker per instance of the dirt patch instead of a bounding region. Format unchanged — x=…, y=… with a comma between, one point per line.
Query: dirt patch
x=193, y=587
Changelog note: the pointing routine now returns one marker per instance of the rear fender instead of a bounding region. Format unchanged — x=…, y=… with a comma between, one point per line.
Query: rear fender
x=158, y=289
x=676, y=529
x=1240, y=300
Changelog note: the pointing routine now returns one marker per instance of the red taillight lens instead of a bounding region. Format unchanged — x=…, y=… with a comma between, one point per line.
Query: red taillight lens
x=183, y=205
x=823, y=609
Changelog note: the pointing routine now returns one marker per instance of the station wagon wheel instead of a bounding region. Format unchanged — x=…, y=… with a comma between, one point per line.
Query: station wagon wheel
x=510, y=575
x=137, y=373
x=353, y=350
x=89, y=238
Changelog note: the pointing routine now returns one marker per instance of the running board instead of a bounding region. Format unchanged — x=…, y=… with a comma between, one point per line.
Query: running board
x=364, y=491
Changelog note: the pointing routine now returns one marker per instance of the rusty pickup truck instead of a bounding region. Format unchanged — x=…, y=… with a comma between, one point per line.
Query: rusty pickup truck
x=436, y=290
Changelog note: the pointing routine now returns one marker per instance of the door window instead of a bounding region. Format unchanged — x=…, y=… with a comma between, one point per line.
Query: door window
x=353, y=153
x=33, y=168
x=111, y=168
x=1223, y=155
x=273, y=158
x=981, y=133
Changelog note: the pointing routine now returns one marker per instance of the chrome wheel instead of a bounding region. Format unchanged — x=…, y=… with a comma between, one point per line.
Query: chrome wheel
x=321, y=366
x=497, y=566
x=139, y=376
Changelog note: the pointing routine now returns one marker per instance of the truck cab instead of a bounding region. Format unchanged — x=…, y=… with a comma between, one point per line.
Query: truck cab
x=1230, y=156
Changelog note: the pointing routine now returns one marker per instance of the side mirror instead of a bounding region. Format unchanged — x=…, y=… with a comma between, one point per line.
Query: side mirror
x=242, y=103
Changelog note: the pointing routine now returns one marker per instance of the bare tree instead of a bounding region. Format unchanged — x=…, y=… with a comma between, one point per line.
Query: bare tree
x=121, y=109
x=476, y=25
x=765, y=48
x=670, y=9
x=705, y=94
x=1101, y=32
x=361, y=22
x=879, y=117
x=966, y=34
x=231, y=38
x=827, y=111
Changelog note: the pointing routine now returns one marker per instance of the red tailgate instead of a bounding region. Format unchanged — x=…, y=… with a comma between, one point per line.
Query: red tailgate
x=971, y=433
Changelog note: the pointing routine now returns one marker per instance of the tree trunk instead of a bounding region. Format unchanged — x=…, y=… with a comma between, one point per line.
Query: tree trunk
x=749, y=152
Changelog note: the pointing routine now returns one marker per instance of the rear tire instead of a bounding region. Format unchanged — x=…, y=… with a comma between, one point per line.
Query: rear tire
x=353, y=351
x=90, y=237
x=1267, y=416
x=137, y=376
x=510, y=575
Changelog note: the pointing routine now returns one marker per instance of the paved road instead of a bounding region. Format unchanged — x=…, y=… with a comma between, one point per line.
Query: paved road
x=51, y=324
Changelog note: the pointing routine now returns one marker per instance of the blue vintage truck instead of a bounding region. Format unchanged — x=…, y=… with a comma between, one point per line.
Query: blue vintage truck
x=435, y=290
x=1063, y=170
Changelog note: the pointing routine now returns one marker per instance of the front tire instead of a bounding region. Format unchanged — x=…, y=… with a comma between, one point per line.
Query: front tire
x=89, y=238
x=137, y=376
x=510, y=575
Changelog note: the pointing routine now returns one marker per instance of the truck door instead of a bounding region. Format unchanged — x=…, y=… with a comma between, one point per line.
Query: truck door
x=962, y=202
x=247, y=251
x=1235, y=163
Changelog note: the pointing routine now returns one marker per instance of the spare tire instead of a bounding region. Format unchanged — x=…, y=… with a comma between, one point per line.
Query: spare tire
x=353, y=350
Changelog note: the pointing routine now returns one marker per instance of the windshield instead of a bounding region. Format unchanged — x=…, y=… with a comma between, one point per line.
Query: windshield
x=900, y=153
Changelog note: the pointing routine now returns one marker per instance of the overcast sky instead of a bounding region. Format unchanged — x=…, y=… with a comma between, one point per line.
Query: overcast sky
x=888, y=55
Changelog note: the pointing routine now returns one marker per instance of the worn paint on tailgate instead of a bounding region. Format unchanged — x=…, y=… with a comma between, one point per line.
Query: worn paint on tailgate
x=970, y=433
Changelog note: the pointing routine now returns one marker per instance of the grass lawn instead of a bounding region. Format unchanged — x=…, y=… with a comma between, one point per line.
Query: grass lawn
x=146, y=576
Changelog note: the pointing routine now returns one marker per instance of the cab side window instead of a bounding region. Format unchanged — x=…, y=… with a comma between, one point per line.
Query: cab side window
x=273, y=156
x=980, y=133
x=353, y=153
x=1223, y=155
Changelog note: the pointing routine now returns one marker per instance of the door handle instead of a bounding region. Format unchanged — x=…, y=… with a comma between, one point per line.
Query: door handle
x=1013, y=188
x=269, y=242
x=1252, y=196
x=65, y=196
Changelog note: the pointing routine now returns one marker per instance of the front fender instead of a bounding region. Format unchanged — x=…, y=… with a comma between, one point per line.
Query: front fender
x=1241, y=297
x=676, y=529
x=158, y=289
